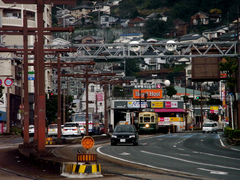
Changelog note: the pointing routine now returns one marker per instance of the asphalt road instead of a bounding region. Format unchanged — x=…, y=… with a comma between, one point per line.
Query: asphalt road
x=193, y=154
x=177, y=156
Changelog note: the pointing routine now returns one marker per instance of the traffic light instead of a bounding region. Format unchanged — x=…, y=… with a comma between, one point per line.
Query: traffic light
x=51, y=96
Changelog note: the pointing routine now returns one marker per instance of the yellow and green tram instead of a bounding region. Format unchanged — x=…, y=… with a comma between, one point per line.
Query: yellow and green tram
x=148, y=121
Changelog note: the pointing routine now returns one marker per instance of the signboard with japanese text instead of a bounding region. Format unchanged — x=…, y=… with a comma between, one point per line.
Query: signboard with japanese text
x=151, y=93
x=214, y=109
x=156, y=104
x=99, y=96
x=171, y=104
x=136, y=104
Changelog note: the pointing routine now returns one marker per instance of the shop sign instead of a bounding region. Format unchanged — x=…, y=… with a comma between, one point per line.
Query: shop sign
x=99, y=96
x=120, y=104
x=151, y=93
x=171, y=104
x=136, y=104
x=156, y=104
x=214, y=109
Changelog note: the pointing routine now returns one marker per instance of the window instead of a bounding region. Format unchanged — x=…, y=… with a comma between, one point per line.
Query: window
x=92, y=88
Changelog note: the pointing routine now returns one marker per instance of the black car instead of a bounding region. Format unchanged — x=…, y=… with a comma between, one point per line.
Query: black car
x=124, y=134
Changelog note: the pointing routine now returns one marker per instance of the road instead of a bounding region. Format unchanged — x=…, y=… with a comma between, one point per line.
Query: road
x=176, y=156
x=194, y=154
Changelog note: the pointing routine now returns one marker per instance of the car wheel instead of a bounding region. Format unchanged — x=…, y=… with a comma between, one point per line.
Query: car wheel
x=135, y=144
x=113, y=144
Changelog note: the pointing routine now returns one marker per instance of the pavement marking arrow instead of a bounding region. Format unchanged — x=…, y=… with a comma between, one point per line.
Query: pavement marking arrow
x=214, y=171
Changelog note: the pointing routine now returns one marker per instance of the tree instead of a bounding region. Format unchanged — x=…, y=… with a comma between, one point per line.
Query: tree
x=230, y=67
x=52, y=108
x=118, y=91
x=155, y=28
x=171, y=91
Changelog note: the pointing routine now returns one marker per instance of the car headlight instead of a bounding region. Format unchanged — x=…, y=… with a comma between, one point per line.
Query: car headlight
x=132, y=136
x=113, y=136
x=147, y=125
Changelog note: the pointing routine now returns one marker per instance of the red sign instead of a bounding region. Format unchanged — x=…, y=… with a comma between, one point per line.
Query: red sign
x=8, y=82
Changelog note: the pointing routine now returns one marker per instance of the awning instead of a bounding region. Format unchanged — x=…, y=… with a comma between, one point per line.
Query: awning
x=166, y=110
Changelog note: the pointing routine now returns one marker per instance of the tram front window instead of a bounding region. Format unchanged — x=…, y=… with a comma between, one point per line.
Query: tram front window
x=146, y=119
x=152, y=119
x=141, y=119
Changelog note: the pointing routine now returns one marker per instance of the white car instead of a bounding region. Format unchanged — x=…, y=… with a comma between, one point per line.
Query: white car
x=71, y=129
x=210, y=127
x=52, y=130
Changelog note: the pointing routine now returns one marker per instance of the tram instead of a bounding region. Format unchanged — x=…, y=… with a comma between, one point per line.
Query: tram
x=148, y=121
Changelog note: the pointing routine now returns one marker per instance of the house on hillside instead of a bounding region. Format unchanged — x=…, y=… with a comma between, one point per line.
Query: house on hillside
x=137, y=22
x=102, y=7
x=107, y=20
x=81, y=11
x=157, y=16
x=181, y=27
x=213, y=34
x=126, y=38
x=192, y=38
x=88, y=40
x=200, y=18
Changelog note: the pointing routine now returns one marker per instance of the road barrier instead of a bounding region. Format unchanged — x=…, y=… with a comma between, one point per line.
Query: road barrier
x=81, y=170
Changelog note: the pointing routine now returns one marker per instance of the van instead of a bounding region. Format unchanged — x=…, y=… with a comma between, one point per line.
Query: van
x=210, y=127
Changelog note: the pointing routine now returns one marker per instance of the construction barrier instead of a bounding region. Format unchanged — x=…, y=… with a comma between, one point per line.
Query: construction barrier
x=74, y=170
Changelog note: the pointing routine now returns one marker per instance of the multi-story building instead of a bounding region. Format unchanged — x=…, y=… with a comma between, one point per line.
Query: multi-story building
x=12, y=15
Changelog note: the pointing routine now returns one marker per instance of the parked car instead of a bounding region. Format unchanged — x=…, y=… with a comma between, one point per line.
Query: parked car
x=210, y=127
x=124, y=134
x=71, y=129
x=31, y=131
x=52, y=130
x=82, y=129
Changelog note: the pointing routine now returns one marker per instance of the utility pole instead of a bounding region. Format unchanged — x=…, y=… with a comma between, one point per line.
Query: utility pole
x=41, y=113
x=105, y=82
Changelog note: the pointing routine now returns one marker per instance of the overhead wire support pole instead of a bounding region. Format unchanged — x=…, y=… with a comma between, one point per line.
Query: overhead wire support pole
x=59, y=98
x=238, y=78
x=26, y=99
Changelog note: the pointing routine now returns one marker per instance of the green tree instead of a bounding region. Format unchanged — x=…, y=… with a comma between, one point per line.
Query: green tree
x=52, y=108
x=155, y=28
x=132, y=67
x=171, y=91
x=118, y=91
x=127, y=8
x=230, y=67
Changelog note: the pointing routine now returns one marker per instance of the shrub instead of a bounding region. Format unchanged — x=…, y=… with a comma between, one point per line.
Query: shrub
x=230, y=133
x=16, y=130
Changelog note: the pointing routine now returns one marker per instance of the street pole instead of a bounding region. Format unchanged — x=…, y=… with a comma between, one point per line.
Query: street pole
x=238, y=78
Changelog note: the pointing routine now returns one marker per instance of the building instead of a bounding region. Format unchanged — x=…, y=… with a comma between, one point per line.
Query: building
x=12, y=15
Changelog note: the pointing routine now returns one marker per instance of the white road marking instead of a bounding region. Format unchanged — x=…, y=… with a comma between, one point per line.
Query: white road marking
x=214, y=172
x=146, y=165
x=193, y=162
x=181, y=149
x=125, y=154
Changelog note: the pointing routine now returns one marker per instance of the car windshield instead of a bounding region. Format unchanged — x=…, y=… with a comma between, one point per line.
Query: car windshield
x=31, y=127
x=208, y=125
x=124, y=128
x=70, y=125
x=52, y=126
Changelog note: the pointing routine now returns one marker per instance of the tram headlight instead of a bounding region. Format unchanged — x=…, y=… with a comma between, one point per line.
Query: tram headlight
x=147, y=125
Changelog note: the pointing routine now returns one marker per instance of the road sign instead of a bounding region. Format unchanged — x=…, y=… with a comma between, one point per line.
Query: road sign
x=8, y=82
x=0, y=82
x=87, y=142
